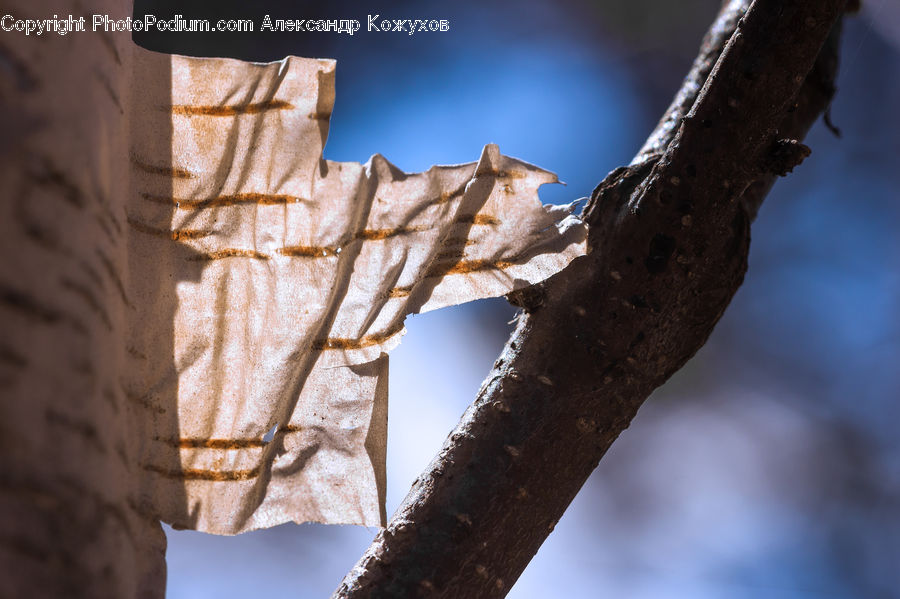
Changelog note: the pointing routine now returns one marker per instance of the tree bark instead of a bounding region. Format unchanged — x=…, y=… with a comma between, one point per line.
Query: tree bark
x=70, y=526
x=669, y=238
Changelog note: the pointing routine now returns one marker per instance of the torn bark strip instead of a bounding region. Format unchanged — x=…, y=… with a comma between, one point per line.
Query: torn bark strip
x=268, y=283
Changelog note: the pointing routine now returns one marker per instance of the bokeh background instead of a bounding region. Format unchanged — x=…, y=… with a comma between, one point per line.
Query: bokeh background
x=770, y=465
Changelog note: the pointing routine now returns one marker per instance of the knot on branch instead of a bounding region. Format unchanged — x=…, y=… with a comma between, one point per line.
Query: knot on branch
x=613, y=193
x=784, y=155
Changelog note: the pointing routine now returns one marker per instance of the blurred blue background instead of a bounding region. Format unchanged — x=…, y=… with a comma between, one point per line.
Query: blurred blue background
x=770, y=465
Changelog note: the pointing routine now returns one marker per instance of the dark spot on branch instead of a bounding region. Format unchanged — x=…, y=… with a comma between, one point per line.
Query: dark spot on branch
x=661, y=248
x=637, y=301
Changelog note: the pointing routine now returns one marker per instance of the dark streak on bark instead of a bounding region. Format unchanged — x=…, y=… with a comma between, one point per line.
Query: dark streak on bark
x=669, y=240
x=12, y=66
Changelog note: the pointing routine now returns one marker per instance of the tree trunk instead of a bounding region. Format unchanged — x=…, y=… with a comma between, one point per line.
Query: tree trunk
x=70, y=526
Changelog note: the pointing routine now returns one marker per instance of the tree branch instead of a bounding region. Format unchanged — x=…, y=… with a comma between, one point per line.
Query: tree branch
x=669, y=237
